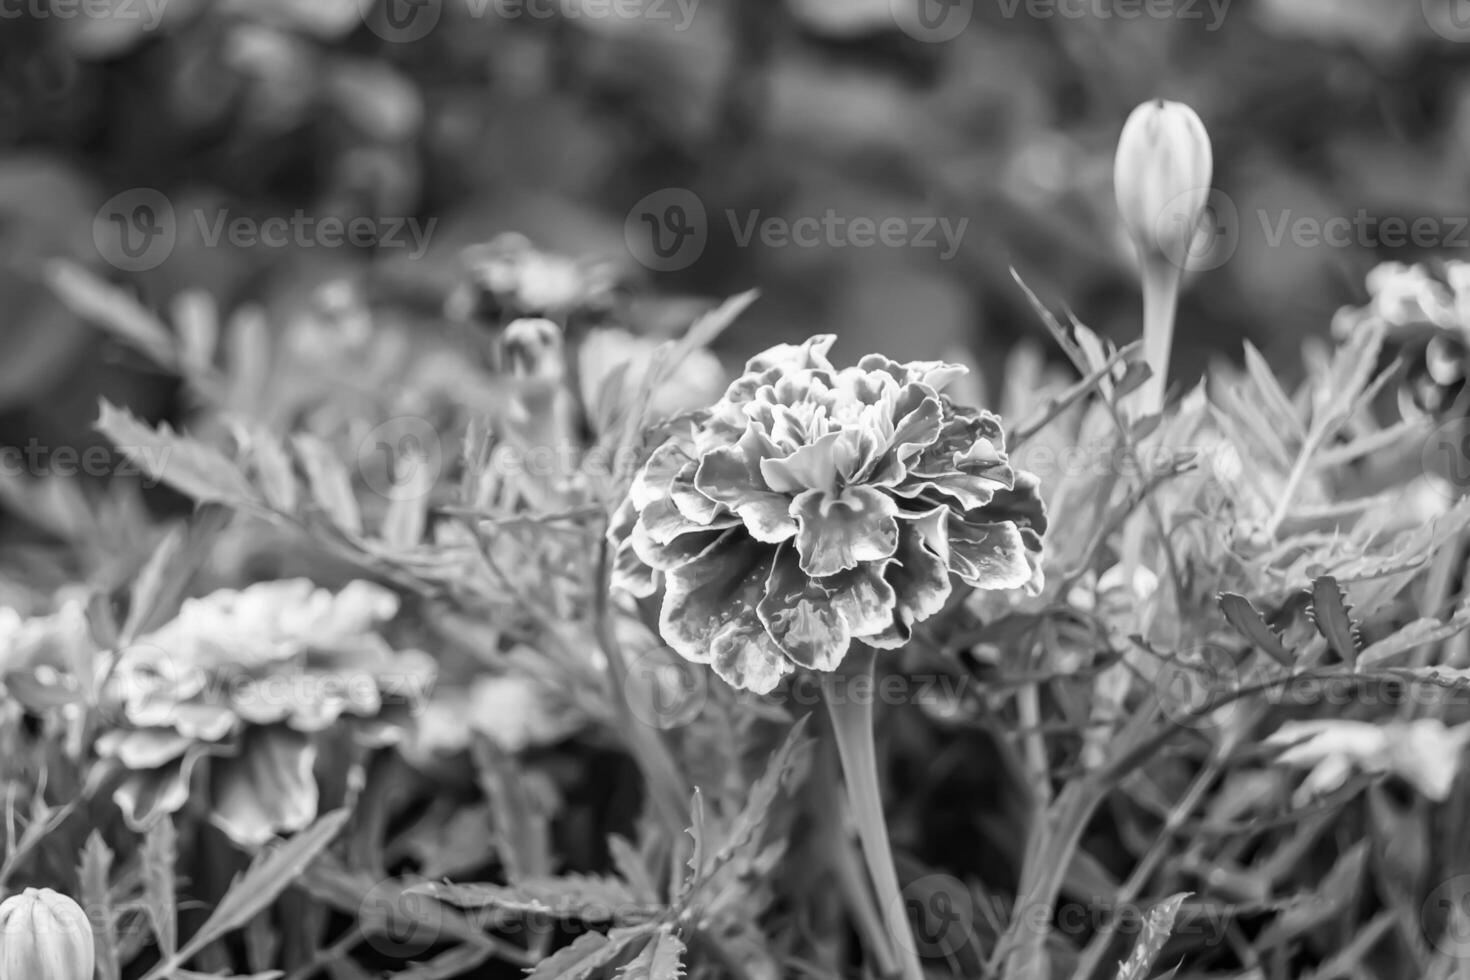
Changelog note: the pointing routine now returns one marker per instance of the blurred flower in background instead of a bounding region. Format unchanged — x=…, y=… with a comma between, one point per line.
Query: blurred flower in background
x=484, y=118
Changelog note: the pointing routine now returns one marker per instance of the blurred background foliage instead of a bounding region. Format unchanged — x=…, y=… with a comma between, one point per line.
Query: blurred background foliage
x=555, y=126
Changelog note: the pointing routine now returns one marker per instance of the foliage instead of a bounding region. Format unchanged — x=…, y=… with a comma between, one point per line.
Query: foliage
x=369, y=703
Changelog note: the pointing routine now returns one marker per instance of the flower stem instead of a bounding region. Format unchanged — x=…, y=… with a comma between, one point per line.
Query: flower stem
x=852, y=725
x=1160, y=302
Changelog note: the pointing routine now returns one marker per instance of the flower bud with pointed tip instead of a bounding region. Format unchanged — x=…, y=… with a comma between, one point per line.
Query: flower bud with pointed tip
x=45, y=934
x=1161, y=178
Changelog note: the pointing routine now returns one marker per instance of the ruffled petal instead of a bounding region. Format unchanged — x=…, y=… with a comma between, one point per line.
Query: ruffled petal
x=920, y=578
x=813, y=620
x=731, y=475
x=988, y=556
x=837, y=531
x=709, y=611
x=268, y=789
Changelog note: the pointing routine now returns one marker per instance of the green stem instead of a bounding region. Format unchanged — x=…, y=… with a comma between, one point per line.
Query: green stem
x=852, y=724
x=1160, y=301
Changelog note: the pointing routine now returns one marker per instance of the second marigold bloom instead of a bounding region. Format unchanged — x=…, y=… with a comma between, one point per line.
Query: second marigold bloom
x=811, y=507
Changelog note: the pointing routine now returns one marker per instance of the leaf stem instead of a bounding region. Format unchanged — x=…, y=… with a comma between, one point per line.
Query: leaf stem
x=852, y=726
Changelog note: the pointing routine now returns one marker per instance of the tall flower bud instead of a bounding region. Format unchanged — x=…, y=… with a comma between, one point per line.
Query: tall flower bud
x=1161, y=177
x=45, y=934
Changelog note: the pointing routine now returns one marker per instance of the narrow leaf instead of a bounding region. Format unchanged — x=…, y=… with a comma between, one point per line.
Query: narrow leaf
x=186, y=464
x=268, y=875
x=661, y=959
x=586, y=954
x=159, y=854
x=1157, y=928
x=1329, y=613
x=1249, y=623
x=93, y=874
x=331, y=487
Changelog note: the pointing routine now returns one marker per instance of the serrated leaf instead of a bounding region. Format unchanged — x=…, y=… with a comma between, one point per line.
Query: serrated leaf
x=189, y=466
x=585, y=954
x=1055, y=406
x=744, y=832
x=1249, y=623
x=196, y=317
x=112, y=309
x=699, y=836
x=1157, y=927
x=1338, y=889
x=1415, y=634
x=589, y=898
x=271, y=465
x=158, y=856
x=1330, y=614
x=1272, y=400
x=661, y=959
x=93, y=874
x=159, y=587
x=272, y=872
x=456, y=962
x=331, y=486
x=630, y=865
x=522, y=825
x=408, y=510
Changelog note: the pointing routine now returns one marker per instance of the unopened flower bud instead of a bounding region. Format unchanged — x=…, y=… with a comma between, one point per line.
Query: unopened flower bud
x=45, y=934
x=1162, y=181
x=1161, y=177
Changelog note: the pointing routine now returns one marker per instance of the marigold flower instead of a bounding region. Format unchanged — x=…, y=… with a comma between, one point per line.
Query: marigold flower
x=45, y=934
x=811, y=507
x=252, y=678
